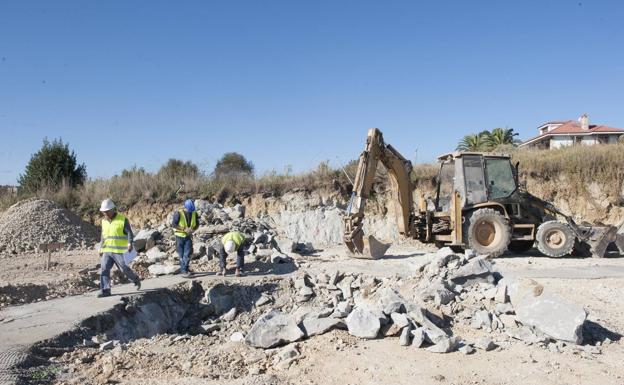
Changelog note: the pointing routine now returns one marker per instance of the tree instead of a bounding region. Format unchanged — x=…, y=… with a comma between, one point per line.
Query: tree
x=475, y=142
x=500, y=137
x=175, y=168
x=51, y=167
x=232, y=164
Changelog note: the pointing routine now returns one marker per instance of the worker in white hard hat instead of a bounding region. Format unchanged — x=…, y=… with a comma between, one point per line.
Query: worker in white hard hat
x=117, y=238
x=231, y=242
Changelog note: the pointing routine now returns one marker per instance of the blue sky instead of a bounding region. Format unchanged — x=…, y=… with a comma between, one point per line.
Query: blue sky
x=295, y=82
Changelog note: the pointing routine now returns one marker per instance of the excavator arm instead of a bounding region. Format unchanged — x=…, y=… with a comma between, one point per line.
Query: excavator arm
x=399, y=172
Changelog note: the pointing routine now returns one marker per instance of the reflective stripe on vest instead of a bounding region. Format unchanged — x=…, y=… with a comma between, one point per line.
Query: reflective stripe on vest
x=113, y=238
x=237, y=237
x=182, y=223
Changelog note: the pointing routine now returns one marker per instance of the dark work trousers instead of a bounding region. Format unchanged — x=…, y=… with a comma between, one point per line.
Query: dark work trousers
x=240, y=257
x=108, y=259
x=185, y=248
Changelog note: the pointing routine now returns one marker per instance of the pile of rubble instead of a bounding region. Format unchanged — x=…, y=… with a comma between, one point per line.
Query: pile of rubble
x=157, y=249
x=264, y=327
x=30, y=223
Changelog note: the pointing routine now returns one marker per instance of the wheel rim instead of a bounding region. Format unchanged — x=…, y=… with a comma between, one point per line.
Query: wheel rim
x=555, y=238
x=485, y=233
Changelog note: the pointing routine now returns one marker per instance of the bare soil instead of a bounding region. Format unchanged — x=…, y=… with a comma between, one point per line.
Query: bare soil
x=338, y=358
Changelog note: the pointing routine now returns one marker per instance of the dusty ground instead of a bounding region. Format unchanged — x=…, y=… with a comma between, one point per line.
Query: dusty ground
x=338, y=358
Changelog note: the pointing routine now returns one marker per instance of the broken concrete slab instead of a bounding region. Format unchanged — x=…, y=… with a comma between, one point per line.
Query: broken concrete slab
x=363, y=323
x=404, y=340
x=155, y=255
x=145, y=239
x=342, y=309
x=273, y=329
x=552, y=315
x=477, y=270
x=400, y=320
x=313, y=326
x=391, y=302
x=445, y=345
x=481, y=320
x=420, y=317
x=157, y=269
x=485, y=343
x=419, y=337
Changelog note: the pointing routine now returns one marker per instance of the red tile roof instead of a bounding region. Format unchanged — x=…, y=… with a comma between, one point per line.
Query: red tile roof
x=574, y=127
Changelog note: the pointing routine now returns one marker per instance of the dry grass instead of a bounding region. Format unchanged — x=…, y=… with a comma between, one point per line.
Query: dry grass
x=579, y=165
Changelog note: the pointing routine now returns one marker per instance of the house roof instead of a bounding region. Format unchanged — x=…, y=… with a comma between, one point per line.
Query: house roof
x=572, y=127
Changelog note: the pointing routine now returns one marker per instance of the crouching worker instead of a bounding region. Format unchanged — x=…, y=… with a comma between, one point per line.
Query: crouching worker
x=185, y=223
x=117, y=239
x=231, y=242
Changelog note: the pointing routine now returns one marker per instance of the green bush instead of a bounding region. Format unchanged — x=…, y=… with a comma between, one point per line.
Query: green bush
x=51, y=168
x=178, y=170
x=232, y=164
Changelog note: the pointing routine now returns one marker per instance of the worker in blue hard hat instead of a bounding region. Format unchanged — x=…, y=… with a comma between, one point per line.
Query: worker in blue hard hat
x=184, y=223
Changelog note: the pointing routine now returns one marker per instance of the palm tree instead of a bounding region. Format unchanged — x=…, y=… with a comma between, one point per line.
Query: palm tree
x=501, y=136
x=475, y=142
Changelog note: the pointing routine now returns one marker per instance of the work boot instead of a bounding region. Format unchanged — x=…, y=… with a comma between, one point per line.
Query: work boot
x=221, y=273
x=187, y=274
x=137, y=284
x=104, y=293
x=239, y=273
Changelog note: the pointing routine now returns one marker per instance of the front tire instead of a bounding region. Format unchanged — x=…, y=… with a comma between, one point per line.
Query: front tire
x=487, y=231
x=555, y=239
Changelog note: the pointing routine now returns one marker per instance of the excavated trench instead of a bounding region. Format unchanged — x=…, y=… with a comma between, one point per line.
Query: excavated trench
x=185, y=310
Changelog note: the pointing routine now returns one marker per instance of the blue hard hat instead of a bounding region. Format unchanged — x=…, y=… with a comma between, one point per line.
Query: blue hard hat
x=189, y=205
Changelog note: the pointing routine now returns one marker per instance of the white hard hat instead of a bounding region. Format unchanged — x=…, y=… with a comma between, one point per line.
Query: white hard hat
x=107, y=205
x=230, y=246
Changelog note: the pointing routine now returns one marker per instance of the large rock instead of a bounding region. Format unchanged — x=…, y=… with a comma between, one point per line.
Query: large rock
x=313, y=326
x=548, y=313
x=391, y=302
x=477, y=270
x=420, y=317
x=155, y=255
x=157, y=269
x=445, y=345
x=273, y=329
x=145, y=239
x=363, y=323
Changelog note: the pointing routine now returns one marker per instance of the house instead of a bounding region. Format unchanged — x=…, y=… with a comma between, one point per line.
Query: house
x=569, y=132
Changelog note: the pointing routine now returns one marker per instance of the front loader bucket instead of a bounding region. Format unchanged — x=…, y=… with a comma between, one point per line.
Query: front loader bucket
x=368, y=248
x=599, y=240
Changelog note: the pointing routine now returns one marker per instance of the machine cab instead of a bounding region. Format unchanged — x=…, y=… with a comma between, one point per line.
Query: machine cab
x=477, y=177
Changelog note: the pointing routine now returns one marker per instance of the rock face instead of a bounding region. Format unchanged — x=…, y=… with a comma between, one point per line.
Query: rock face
x=548, y=313
x=273, y=329
x=363, y=323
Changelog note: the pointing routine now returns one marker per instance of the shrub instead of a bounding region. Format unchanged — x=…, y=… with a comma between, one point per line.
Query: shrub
x=178, y=170
x=232, y=164
x=53, y=166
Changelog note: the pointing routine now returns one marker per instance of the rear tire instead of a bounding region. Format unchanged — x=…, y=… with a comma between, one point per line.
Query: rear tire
x=555, y=239
x=520, y=246
x=487, y=231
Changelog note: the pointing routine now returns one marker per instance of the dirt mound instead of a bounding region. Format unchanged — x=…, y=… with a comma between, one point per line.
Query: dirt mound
x=27, y=224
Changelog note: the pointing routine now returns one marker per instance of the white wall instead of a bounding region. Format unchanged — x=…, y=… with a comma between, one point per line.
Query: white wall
x=560, y=141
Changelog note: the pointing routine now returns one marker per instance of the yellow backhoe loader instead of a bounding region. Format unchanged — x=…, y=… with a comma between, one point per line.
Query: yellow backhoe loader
x=478, y=205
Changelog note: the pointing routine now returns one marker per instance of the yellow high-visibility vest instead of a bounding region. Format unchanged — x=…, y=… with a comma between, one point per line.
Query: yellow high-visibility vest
x=237, y=237
x=113, y=238
x=182, y=223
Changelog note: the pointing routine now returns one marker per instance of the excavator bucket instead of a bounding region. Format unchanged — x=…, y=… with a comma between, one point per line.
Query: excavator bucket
x=600, y=238
x=368, y=248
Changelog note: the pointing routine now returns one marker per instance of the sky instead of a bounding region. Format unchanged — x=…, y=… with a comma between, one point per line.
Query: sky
x=289, y=84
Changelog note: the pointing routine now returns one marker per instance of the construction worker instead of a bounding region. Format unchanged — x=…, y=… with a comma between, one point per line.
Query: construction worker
x=231, y=242
x=117, y=238
x=184, y=223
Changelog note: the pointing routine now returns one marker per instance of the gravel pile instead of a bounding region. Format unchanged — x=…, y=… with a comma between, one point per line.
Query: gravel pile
x=27, y=224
